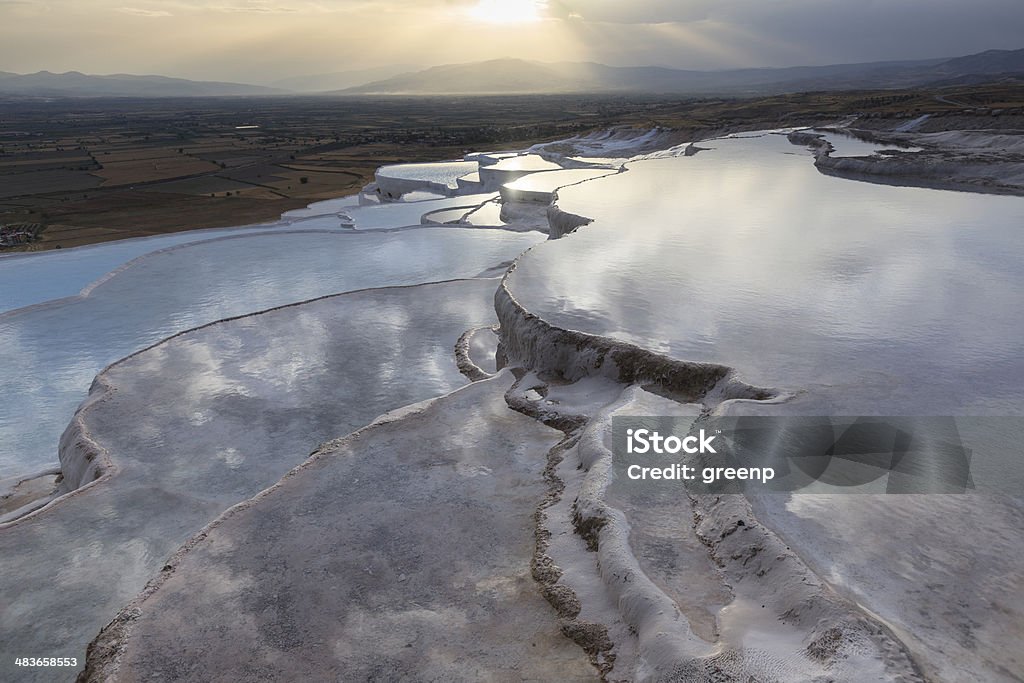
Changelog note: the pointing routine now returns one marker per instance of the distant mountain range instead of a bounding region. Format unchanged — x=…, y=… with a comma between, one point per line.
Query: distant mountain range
x=338, y=80
x=75, y=84
x=520, y=76
x=523, y=76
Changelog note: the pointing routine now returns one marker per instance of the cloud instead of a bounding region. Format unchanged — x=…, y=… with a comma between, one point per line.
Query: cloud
x=266, y=39
x=254, y=9
x=791, y=32
x=140, y=12
x=310, y=6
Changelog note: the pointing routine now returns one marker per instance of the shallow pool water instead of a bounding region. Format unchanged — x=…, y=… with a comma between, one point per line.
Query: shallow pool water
x=552, y=180
x=849, y=298
x=850, y=146
x=854, y=299
x=526, y=162
x=27, y=279
x=206, y=420
x=442, y=173
x=879, y=298
x=51, y=352
x=488, y=214
x=397, y=214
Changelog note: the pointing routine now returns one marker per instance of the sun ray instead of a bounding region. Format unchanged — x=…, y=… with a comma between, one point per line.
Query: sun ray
x=508, y=11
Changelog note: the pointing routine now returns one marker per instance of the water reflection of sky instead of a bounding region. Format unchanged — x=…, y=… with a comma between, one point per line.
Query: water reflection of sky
x=862, y=298
x=850, y=146
x=488, y=214
x=397, y=214
x=210, y=418
x=27, y=279
x=746, y=255
x=552, y=180
x=526, y=162
x=444, y=173
x=51, y=353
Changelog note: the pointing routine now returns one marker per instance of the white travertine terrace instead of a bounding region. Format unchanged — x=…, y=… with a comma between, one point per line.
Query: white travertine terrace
x=394, y=181
x=726, y=278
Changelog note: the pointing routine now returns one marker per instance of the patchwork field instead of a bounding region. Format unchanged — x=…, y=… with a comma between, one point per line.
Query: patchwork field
x=89, y=171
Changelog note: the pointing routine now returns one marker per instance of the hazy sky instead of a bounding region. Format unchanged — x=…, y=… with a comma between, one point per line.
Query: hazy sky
x=263, y=40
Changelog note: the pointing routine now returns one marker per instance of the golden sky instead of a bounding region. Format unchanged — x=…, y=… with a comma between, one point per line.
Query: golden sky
x=260, y=41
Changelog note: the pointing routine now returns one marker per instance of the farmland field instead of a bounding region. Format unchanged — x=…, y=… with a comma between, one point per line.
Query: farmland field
x=91, y=170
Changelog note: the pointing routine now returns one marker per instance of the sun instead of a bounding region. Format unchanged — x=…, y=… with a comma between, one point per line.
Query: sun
x=508, y=11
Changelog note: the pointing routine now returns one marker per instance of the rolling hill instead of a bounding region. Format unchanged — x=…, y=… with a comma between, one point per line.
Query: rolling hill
x=521, y=76
x=509, y=76
x=76, y=84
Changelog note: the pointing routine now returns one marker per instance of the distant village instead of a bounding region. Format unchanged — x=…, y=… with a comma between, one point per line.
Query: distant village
x=16, y=234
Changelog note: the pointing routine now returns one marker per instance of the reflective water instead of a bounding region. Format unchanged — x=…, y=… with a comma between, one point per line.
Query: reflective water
x=879, y=299
x=27, y=279
x=212, y=417
x=488, y=214
x=860, y=299
x=395, y=214
x=420, y=195
x=51, y=353
x=490, y=157
x=526, y=162
x=328, y=206
x=611, y=162
x=447, y=215
x=943, y=569
x=850, y=146
x=552, y=180
x=444, y=173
